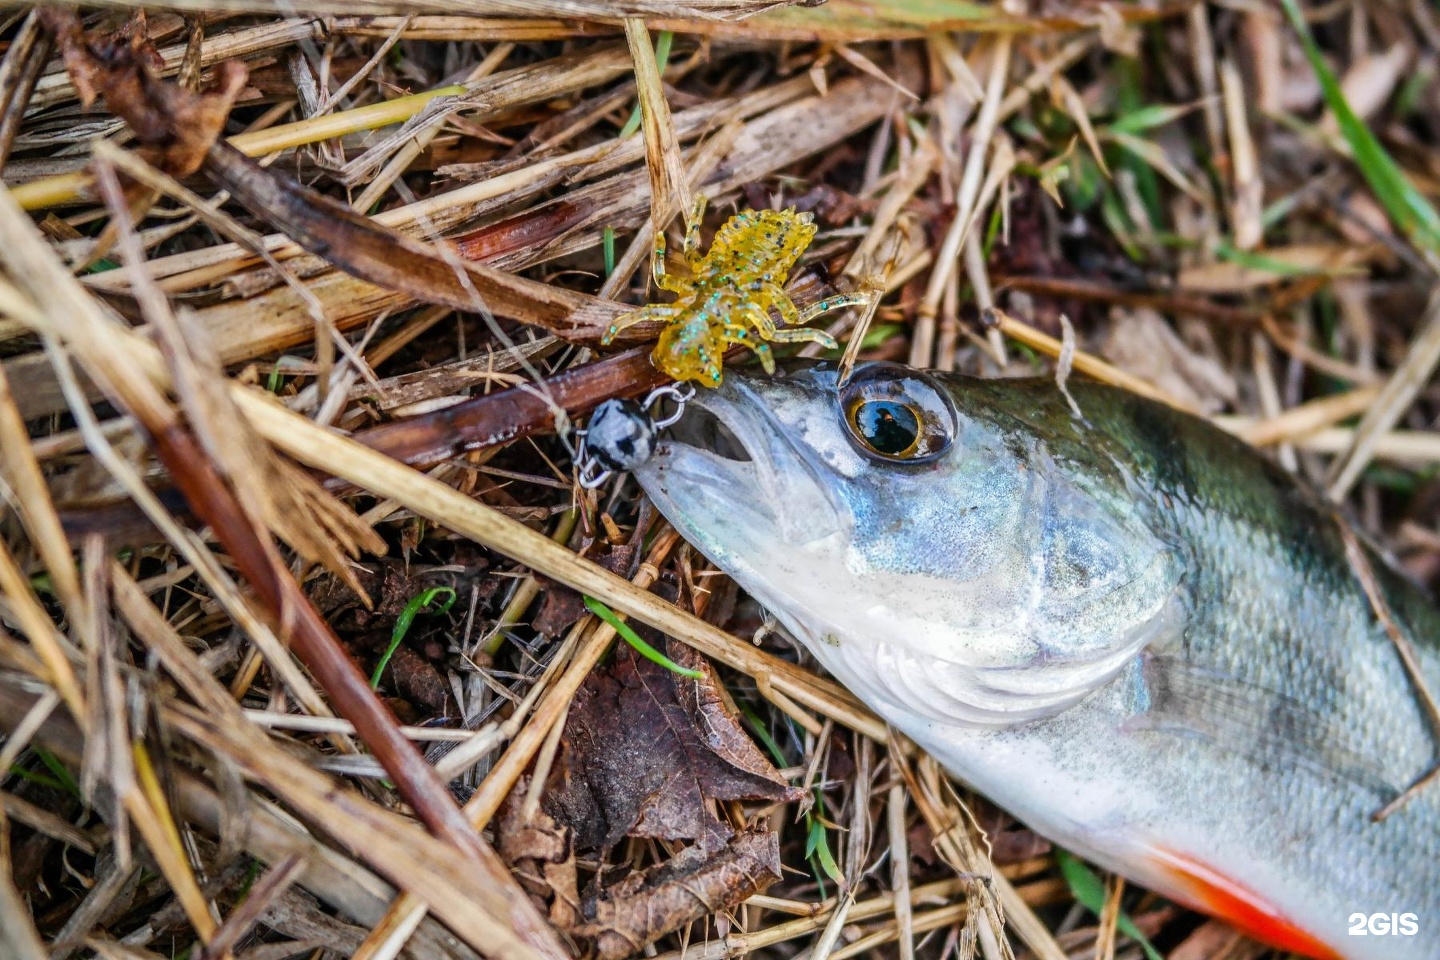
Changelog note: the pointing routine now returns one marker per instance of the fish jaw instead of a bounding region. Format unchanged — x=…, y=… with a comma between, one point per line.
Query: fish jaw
x=762, y=512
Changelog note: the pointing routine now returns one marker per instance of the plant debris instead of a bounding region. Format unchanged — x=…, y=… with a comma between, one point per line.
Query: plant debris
x=177, y=125
x=646, y=752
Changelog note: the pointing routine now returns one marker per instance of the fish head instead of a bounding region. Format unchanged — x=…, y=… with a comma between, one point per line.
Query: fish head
x=932, y=551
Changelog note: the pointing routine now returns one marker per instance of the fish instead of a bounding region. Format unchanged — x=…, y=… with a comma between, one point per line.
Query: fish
x=1122, y=625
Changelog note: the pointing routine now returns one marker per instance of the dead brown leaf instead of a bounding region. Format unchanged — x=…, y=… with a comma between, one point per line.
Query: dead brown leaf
x=1142, y=343
x=622, y=919
x=647, y=752
x=690, y=885
x=176, y=125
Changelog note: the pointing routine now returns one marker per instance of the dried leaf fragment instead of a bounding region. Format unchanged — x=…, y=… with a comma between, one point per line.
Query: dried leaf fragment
x=690, y=885
x=648, y=751
x=176, y=125
x=622, y=919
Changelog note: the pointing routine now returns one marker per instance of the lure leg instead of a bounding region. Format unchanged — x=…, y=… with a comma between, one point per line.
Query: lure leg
x=774, y=294
x=803, y=334
x=765, y=355
x=756, y=315
x=742, y=333
x=833, y=303
x=657, y=261
x=662, y=277
x=692, y=230
x=627, y=320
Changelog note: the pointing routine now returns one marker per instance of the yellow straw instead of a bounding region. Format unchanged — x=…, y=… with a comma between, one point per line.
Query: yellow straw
x=69, y=187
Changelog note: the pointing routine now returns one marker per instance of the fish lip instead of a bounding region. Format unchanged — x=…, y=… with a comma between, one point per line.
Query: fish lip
x=769, y=443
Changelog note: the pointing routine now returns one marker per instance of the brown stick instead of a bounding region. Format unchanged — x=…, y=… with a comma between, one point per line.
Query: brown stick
x=476, y=424
x=507, y=415
x=397, y=261
x=1090, y=291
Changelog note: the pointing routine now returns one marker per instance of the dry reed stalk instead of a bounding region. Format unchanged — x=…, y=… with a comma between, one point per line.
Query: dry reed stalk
x=19, y=72
x=1298, y=423
x=1086, y=363
x=669, y=187
x=471, y=28
x=1395, y=398
x=966, y=202
x=18, y=935
x=71, y=188
x=21, y=471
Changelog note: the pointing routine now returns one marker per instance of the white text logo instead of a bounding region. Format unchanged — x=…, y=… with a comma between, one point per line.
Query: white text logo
x=1384, y=924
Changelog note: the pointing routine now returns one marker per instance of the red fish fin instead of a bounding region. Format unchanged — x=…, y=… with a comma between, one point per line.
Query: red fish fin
x=1199, y=886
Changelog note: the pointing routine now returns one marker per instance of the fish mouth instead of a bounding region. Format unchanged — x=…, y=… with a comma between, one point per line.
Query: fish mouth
x=730, y=471
x=703, y=429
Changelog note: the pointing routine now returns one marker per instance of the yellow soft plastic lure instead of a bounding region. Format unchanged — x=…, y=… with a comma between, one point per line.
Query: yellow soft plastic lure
x=731, y=290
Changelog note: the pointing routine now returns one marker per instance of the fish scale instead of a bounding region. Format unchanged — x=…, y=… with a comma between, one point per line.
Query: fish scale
x=1253, y=713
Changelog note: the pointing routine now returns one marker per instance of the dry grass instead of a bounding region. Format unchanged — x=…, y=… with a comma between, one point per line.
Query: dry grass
x=244, y=427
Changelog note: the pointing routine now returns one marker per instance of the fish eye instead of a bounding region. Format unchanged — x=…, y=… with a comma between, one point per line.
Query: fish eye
x=890, y=428
x=897, y=414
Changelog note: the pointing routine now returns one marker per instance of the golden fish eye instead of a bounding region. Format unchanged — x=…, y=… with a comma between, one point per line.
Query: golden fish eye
x=897, y=414
x=889, y=427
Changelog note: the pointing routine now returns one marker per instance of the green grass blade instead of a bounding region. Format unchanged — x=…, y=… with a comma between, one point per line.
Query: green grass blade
x=633, y=638
x=1407, y=207
x=1090, y=891
x=418, y=603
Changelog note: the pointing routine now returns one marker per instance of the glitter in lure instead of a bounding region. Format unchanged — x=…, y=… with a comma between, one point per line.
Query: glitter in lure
x=728, y=297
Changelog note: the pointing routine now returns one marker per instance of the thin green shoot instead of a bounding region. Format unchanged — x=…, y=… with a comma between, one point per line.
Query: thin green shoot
x=277, y=372
x=757, y=727
x=252, y=873
x=53, y=764
x=662, y=57
x=607, y=237
x=1259, y=261
x=1407, y=101
x=418, y=604
x=1407, y=207
x=633, y=638
x=1150, y=116
x=32, y=776
x=817, y=845
x=993, y=228
x=1088, y=888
